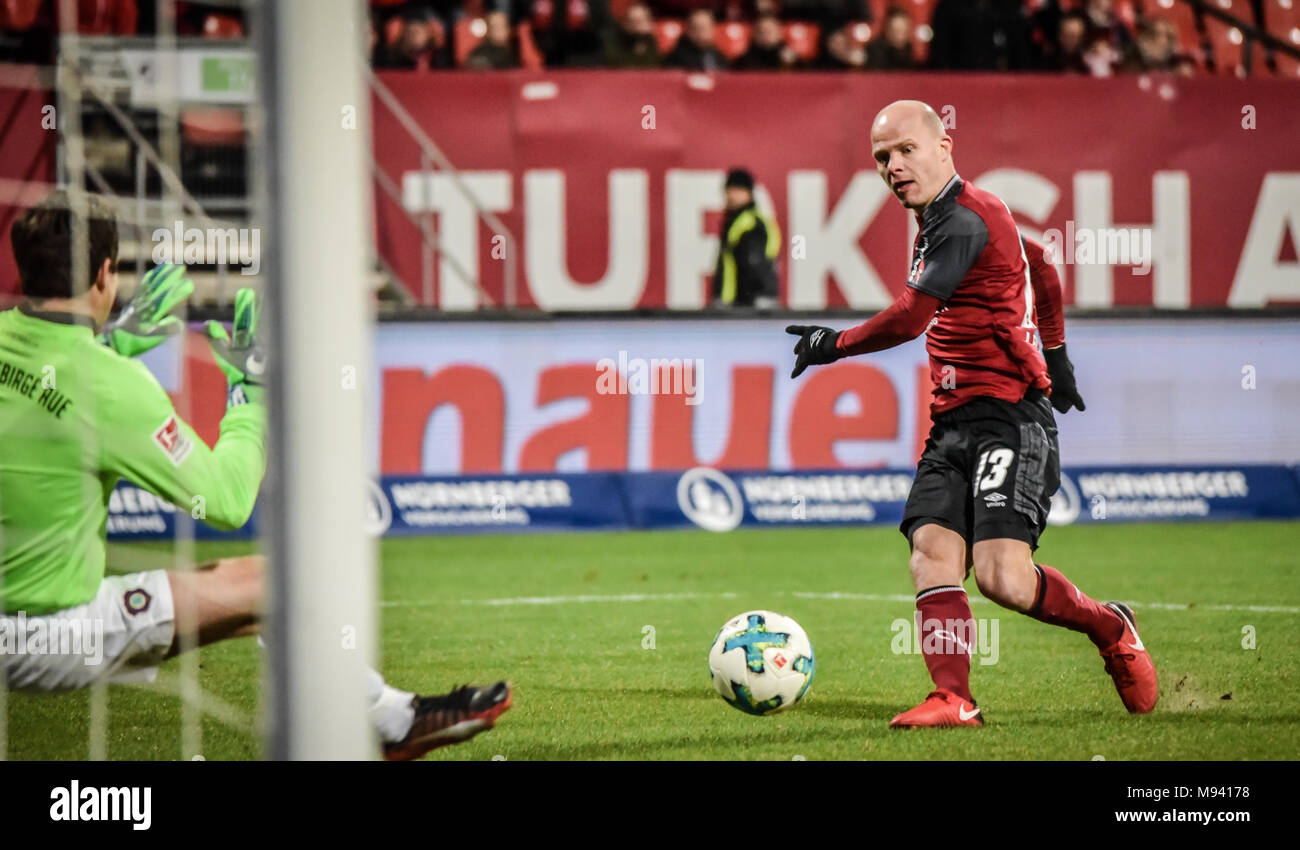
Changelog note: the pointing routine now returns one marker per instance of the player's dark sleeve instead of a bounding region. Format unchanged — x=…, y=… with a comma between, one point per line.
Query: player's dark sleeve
x=954, y=239
x=1048, y=314
x=905, y=319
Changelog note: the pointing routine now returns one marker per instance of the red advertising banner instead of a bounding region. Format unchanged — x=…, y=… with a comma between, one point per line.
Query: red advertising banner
x=27, y=139
x=1162, y=192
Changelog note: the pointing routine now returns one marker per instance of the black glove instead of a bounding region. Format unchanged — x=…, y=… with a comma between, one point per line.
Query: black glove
x=1061, y=371
x=816, y=346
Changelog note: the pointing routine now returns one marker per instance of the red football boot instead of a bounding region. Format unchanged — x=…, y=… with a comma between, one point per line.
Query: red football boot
x=450, y=719
x=1130, y=665
x=941, y=708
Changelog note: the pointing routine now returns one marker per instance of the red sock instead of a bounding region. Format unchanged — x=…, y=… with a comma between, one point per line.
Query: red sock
x=1062, y=604
x=947, y=630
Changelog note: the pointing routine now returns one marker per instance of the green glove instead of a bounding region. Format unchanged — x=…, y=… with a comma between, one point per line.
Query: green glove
x=239, y=356
x=146, y=322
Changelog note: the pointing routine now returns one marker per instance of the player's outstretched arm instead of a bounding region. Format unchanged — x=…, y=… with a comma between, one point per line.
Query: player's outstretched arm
x=904, y=320
x=147, y=443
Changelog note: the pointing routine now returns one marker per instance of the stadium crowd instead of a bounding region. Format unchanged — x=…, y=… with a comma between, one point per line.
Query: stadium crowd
x=1093, y=37
x=1097, y=37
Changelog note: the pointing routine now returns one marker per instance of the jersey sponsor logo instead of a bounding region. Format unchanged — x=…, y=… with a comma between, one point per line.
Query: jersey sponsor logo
x=136, y=601
x=172, y=440
x=918, y=261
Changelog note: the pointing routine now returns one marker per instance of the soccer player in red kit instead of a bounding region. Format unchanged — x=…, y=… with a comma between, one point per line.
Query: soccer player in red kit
x=984, y=483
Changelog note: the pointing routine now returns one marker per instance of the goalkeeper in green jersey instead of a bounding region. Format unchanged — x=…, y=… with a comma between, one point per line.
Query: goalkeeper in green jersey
x=77, y=414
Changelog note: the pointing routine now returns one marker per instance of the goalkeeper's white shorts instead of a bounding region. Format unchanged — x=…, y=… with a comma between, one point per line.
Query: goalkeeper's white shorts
x=119, y=636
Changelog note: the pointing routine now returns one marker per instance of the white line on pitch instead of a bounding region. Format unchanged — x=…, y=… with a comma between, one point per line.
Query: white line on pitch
x=560, y=600
x=854, y=597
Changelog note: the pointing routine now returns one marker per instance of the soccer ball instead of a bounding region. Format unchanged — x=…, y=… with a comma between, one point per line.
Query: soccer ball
x=761, y=662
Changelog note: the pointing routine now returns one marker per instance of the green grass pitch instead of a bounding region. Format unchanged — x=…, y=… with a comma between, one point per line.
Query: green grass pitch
x=569, y=618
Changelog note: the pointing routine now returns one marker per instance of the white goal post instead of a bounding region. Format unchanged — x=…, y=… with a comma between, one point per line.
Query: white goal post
x=321, y=629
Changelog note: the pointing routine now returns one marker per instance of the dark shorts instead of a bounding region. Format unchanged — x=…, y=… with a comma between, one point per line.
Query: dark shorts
x=988, y=471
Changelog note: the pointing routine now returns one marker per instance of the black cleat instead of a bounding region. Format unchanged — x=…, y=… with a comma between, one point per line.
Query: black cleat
x=450, y=719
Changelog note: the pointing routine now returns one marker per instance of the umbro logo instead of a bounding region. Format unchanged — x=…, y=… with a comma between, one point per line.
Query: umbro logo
x=995, y=500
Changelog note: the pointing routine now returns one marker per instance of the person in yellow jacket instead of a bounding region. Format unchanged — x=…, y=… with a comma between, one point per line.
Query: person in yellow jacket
x=750, y=242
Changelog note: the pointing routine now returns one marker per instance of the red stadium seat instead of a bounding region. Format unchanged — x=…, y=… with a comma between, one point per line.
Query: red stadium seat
x=1126, y=12
x=213, y=126
x=222, y=26
x=542, y=13
x=667, y=32
x=1287, y=66
x=529, y=56
x=393, y=30
x=577, y=14
x=1184, y=20
x=922, y=11
x=1228, y=44
x=732, y=39
x=803, y=39
x=18, y=15
x=1282, y=20
x=469, y=32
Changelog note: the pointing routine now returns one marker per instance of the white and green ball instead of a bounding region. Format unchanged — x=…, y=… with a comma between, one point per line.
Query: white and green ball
x=761, y=662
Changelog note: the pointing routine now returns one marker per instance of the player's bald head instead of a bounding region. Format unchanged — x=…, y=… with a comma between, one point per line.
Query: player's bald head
x=913, y=152
x=908, y=116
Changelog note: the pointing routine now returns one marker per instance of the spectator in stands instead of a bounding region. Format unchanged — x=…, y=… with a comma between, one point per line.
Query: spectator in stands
x=572, y=33
x=842, y=52
x=695, y=50
x=767, y=50
x=632, y=43
x=1156, y=49
x=497, y=51
x=421, y=44
x=1105, y=25
x=827, y=14
x=980, y=35
x=1101, y=58
x=748, y=246
x=1066, y=53
x=892, y=49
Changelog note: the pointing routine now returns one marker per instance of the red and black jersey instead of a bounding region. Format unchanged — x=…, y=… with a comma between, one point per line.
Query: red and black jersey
x=969, y=255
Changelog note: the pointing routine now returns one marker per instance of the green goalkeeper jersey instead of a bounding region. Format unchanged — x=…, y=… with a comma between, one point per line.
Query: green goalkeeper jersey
x=75, y=417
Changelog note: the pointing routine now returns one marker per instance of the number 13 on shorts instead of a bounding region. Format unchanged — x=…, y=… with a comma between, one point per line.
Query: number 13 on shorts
x=996, y=461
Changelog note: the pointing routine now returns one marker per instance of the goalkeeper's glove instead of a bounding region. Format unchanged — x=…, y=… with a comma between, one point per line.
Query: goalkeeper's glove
x=146, y=322
x=816, y=346
x=239, y=354
x=1059, y=368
